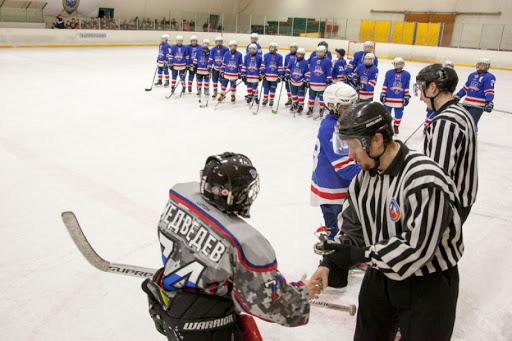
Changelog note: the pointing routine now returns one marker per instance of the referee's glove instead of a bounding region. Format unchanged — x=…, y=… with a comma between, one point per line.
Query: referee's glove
x=340, y=255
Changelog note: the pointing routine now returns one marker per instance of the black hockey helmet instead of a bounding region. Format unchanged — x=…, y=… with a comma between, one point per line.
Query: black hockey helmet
x=324, y=43
x=362, y=122
x=230, y=182
x=341, y=52
x=443, y=76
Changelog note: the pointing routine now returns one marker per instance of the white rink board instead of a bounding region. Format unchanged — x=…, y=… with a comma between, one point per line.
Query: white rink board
x=44, y=37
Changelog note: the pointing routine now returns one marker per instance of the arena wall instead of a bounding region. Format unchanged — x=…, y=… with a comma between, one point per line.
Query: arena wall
x=30, y=38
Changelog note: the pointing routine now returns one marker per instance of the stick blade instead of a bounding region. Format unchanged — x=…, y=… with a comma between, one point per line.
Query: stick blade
x=81, y=242
x=148, y=89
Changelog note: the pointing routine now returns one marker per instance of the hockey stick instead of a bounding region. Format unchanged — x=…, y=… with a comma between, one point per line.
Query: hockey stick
x=153, y=81
x=258, y=94
x=503, y=111
x=274, y=111
x=174, y=90
x=76, y=233
x=414, y=132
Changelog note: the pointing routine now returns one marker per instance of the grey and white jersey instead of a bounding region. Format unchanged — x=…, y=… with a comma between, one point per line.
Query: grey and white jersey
x=220, y=254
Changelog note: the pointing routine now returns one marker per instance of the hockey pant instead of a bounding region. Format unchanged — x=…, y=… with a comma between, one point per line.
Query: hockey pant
x=423, y=307
x=298, y=93
x=269, y=89
x=224, y=84
x=203, y=81
x=399, y=113
x=163, y=69
x=215, y=79
x=252, y=89
x=191, y=75
x=312, y=97
x=475, y=112
x=182, y=74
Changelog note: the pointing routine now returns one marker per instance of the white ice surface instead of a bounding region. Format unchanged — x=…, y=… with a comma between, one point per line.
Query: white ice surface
x=78, y=132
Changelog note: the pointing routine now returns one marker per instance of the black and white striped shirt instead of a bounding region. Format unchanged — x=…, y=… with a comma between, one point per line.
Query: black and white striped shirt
x=407, y=218
x=450, y=140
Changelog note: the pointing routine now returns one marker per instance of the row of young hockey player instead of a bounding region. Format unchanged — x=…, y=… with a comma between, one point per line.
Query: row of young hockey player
x=178, y=58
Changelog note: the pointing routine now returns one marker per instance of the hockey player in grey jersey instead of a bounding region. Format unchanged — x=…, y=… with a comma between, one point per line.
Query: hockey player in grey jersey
x=216, y=265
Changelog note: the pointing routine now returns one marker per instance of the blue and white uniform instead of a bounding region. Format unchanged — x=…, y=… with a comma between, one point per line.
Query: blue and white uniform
x=192, y=51
x=231, y=68
x=203, y=66
x=479, y=91
x=358, y=59
x=365, y=79
x=289, y=58
x=396, y=91
x=251, y=70
x=217, y=57
x=297, y=71
x=332, y=173
x=272, y=67
x=162, y=61
x=319, y=77
x=179, y=61
x=340, y=70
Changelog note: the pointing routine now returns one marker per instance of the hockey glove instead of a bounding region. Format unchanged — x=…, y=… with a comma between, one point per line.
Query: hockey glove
x=221, y=74
x=262, y=77
x=286, y=77
x=406, y=100
x=340, y=255
x=171, y=67
x=306, y=83
x=278, y=80
x=158, y=302
x=382, y=97
x=488, y=106
x=244, y=79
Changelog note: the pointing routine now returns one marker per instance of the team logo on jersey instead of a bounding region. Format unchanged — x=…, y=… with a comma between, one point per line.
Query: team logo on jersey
x=70, y=5
x=394, y=210
x=318, y=70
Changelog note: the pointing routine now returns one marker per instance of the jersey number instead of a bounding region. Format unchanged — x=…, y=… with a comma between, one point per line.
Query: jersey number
x=185, y=276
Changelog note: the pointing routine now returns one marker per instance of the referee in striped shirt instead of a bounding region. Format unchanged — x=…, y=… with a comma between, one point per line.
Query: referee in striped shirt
x=450, y=139
x=402, y=217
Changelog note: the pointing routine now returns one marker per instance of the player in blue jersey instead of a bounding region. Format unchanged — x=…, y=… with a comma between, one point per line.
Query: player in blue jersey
x=192, y=51
x=479, y=90
x=231, y=70
x=251, y=73
x=254, y=40
x=395, y=91
x=319, y=76
x=289, y=58
x=340, y=69
x=273, y=70
x=203, y=67
x=328, y=54
x=358, y=57
x=217, y=56
x=162, y=61
x=333, y=169
x=179, y=60
x=364, y=78
x=296, y=75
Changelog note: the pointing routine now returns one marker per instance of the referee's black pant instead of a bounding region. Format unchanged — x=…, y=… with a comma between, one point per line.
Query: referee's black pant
x=422, y=307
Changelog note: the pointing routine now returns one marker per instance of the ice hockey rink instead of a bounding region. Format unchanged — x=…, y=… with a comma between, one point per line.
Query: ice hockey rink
x=78, y=132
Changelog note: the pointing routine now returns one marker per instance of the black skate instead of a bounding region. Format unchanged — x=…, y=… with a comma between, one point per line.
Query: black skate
x=395, y=129
x=300, y=109
x=166, y=84
x=310, y=112
x=271, y=103
x=288, y=103
x=265, y=101
x=214, y=94
x=158, y=83
x=233, y=98
x=248, y=99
